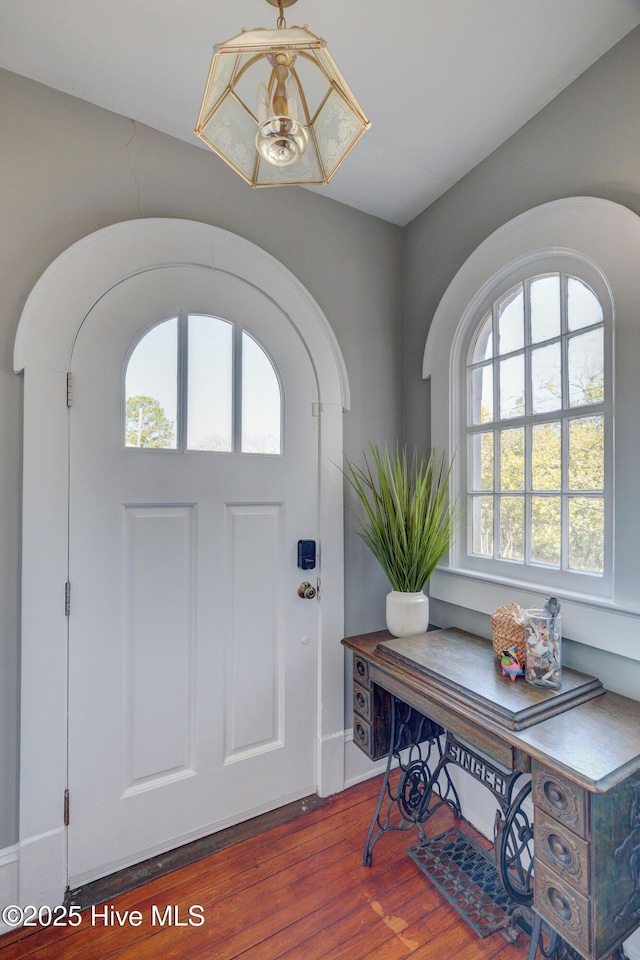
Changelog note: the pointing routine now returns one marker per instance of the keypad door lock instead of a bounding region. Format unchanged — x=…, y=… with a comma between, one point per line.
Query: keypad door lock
x=306, y=591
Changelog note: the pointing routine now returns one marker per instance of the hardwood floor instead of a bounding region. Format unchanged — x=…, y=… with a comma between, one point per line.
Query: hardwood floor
x=298, y=891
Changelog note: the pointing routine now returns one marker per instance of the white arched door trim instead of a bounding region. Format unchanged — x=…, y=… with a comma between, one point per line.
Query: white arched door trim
x=52, y=316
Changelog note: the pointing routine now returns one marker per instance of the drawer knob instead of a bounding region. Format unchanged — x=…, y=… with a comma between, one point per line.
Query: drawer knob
x=556, y=795
x=559, y=849
x=361, y=733
x=559, y=904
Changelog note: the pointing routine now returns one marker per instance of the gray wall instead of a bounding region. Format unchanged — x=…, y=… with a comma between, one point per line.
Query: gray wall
x=585, y=143
x=67, y=169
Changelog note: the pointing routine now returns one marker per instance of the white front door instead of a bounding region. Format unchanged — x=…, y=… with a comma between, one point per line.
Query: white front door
x=192, y=659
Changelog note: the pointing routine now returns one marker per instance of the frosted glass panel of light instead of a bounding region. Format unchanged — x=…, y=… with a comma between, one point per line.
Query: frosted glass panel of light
x=586, y=368
x=217, y=84
x=545, y=308
x=304, y=170
x=261, y=401
x=511, y=322
x=151, y=389
x=337, y=129
x=210, y=380
x=546, y=379
x=233, y=134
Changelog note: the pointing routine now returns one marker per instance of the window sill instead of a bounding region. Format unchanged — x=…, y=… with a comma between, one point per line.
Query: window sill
x=596, y=623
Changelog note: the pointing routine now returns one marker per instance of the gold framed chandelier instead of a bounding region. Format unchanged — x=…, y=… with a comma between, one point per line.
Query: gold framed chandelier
x=276, y=107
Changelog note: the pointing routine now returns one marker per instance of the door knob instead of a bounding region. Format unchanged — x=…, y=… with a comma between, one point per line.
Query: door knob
x=306, y=591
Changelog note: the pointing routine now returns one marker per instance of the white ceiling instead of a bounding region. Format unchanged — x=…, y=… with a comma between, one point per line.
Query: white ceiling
x=444, y=82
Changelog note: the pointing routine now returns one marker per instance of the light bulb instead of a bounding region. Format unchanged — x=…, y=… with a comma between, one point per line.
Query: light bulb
x=280, y=139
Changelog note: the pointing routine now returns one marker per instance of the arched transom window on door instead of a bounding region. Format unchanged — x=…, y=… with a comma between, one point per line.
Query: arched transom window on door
x=536, y=427
x=197, y=382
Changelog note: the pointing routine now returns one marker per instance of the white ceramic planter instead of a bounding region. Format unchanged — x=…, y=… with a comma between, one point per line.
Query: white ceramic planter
x=407, y=613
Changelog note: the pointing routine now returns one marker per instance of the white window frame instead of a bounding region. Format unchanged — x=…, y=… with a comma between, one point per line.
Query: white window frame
x=605, y=238
x=238, y=333
x=548, y=579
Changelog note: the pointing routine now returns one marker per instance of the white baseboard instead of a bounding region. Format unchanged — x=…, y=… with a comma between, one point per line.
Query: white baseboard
x=331, y=778
x=357, y=766
x=42, y=875
x=9, y=859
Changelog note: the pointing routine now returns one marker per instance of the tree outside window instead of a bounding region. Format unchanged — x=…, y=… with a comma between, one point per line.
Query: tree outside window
x=536, y=427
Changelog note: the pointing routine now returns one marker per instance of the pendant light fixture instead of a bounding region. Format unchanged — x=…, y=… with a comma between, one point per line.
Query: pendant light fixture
x=276, y=107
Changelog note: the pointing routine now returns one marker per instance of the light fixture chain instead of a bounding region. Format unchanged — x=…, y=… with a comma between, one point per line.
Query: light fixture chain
x=282, y=23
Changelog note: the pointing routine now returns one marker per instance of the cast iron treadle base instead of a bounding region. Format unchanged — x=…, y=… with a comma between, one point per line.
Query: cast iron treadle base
x=466, y=875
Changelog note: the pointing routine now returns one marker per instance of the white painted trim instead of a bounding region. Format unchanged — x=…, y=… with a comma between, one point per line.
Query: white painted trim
x=43, y=868
x=9, y=859
x=357, y=766
x=331, y=766
x=593, y=622
x=576, y=224
x=79, y=278
x=53, y=314
x=607, y=236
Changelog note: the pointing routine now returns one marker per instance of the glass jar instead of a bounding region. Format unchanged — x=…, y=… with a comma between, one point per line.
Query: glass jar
x=543, y=648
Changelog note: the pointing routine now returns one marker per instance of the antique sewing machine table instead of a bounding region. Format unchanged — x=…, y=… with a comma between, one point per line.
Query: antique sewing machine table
x=439, y=699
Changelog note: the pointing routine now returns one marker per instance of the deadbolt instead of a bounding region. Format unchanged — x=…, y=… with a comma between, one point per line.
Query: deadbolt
x=306, y=591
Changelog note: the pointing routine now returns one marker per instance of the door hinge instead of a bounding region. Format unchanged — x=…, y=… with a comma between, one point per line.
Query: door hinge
x=66, y=808
x=67, y=599
x=69, y=389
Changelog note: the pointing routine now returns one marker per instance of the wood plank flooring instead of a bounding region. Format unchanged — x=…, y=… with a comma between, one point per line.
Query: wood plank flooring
x=298, y=891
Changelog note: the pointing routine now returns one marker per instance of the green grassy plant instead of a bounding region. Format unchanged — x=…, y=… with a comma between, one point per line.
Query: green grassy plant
x=409, y=521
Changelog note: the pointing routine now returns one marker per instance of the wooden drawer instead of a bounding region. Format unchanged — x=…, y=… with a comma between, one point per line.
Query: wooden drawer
x=560, y=798
x=562, y=850
x=566, y=910
x=361, y=670
x=371, y=716
x=362, y=702
x=362, y=735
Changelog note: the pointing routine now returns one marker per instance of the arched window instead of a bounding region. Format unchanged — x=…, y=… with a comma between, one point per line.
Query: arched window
x=521, y=355
x=197, y=382
x=537, y=431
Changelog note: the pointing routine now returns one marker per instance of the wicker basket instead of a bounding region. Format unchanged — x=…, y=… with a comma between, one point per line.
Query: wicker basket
x=507, y=626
